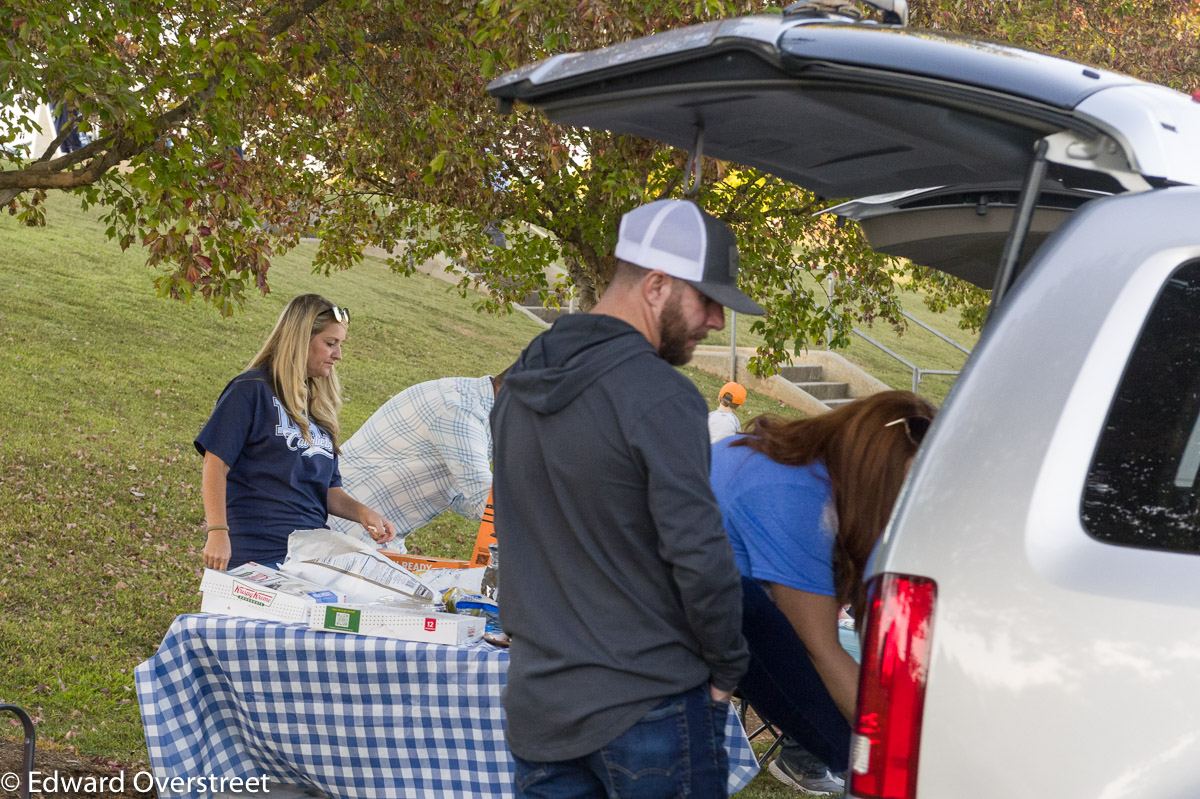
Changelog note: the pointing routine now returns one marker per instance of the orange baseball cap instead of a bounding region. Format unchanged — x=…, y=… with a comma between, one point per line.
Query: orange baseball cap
x=734, y=392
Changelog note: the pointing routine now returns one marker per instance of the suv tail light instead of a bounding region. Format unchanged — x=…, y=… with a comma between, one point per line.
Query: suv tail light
x=891, y=691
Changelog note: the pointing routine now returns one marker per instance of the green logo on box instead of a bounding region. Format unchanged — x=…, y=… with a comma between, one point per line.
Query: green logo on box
x=344, y=619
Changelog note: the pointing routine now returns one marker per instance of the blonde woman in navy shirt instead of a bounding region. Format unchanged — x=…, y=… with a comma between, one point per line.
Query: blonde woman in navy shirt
x=271, y=445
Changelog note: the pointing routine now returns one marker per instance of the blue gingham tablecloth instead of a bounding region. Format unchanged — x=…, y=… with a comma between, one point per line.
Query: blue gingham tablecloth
x=348, y=715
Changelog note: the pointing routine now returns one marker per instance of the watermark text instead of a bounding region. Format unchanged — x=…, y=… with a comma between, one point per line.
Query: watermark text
x=54, y=783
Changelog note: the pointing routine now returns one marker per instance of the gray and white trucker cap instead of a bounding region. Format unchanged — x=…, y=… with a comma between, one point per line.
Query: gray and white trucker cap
x=676, y=237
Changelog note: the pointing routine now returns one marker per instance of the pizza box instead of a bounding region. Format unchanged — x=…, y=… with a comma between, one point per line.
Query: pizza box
x=260, y=592
x=420, y=563
x=404, y=624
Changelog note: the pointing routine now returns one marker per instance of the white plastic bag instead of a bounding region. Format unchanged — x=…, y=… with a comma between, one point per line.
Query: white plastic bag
x=442, y=579
x=350, y=566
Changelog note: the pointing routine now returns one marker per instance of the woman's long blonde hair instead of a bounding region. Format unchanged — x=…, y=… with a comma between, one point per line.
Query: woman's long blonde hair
x=284, y=358
x=867, y=461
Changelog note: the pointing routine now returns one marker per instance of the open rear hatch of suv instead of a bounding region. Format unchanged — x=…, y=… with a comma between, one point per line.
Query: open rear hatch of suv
x=849, y=110
x=960, y=230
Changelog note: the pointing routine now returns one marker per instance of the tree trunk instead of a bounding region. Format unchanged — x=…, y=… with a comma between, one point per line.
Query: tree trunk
x=585, y=285
x=590, y=275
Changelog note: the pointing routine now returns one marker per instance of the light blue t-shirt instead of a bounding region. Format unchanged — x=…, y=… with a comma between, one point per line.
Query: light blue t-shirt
x=780, y=519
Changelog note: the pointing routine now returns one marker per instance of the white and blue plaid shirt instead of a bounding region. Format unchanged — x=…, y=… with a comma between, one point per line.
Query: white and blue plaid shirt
x=426, y=450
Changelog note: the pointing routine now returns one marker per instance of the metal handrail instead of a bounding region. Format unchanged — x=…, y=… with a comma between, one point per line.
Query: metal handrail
x=863, y=335
x=917, y=372
x=937, y=333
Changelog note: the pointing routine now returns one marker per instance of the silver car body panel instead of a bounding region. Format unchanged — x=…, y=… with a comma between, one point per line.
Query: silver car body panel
x=1158, y=127
x=1061, y=667
x=1057, y=545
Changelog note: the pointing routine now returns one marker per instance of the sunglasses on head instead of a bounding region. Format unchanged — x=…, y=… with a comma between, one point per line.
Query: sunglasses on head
x=341, y=314
x=915, y=427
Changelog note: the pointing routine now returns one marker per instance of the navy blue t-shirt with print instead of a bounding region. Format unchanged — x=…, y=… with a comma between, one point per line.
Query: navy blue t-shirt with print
x=277, y=481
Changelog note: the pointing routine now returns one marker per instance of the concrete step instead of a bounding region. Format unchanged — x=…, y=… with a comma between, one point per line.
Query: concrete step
x=804, y=373
x=826, y=390
x=715, y=361
x=837, y=403
x=547, y=315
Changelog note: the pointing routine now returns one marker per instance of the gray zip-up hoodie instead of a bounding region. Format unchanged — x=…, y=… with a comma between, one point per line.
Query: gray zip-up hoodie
x=617, y=582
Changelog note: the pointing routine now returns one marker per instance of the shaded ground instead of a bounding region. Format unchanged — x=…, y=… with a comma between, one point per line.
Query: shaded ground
x=58, y=771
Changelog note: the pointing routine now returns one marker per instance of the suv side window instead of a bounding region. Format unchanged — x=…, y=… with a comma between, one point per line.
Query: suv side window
x=1143, y=486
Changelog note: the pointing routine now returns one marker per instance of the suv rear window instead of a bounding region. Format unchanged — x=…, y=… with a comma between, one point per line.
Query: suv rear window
x=1143, y=486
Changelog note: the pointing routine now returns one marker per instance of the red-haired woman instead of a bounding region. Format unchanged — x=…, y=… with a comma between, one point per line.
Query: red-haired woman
x=804, y=502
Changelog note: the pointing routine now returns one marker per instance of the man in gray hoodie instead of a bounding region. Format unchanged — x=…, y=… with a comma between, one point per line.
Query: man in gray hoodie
x=618, y=587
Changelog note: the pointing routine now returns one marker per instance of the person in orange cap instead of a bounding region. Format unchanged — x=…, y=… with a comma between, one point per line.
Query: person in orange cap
x=723, y=422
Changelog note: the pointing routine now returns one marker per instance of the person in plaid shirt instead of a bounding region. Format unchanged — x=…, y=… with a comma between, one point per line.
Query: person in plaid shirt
x=425, y=451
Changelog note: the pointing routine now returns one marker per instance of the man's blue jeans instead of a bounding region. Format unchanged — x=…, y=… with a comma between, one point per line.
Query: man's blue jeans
x=676, y=750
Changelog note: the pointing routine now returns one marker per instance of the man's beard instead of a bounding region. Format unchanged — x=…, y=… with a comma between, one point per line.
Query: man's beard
x=673, y=333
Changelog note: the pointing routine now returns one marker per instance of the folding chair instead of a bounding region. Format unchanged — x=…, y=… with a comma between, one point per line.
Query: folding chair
x=764, y=728
x=28, y=759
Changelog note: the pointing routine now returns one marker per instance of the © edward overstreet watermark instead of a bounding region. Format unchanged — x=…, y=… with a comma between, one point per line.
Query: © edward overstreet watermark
x=52, y=783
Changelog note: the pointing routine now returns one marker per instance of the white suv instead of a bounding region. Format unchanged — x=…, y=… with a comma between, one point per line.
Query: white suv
x=1035, y=619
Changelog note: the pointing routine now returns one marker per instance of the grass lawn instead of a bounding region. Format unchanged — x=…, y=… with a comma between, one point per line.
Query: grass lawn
x=104, y=388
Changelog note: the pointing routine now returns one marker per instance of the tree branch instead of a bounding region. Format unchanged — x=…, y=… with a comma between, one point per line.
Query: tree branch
x=54, y=145
x=287, y=19
x=386, y=35
x=1088, y=12
x=743, y=190
x=669, y=186
x=111, y=150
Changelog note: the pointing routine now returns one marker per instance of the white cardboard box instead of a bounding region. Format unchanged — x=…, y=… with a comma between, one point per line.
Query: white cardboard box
x=431, y=628
x=260, y=592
